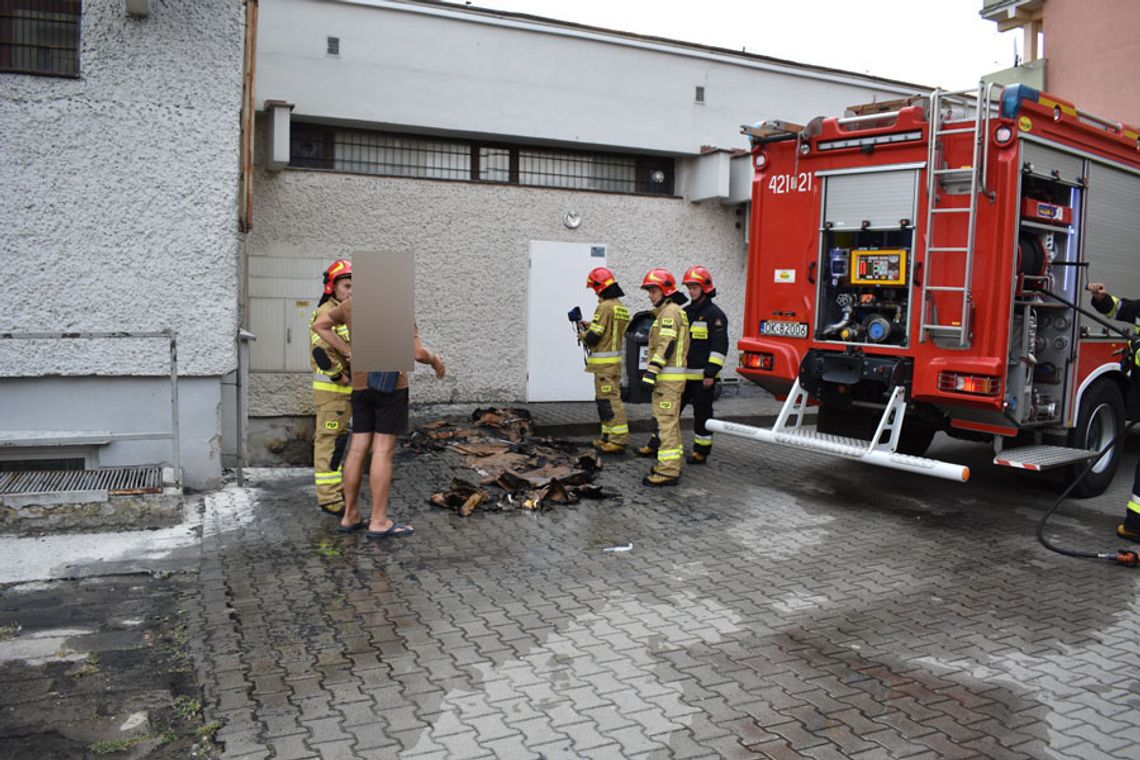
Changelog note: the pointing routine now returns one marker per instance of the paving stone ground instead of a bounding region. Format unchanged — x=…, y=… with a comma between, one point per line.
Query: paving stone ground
x=776, y=604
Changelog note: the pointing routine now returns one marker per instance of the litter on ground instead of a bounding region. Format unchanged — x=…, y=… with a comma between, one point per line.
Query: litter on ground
x=515, y=469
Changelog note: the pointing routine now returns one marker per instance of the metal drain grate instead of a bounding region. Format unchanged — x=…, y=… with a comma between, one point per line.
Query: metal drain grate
x=118, y=481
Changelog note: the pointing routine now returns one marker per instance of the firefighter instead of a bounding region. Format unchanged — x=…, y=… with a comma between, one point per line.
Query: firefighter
x=603, y=338
x=332, y=393
x=664, y=378
x=1126, y=311
x=708, y=332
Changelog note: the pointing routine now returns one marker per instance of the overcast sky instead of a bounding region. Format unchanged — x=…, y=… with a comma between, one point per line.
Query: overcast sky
x=928, y=42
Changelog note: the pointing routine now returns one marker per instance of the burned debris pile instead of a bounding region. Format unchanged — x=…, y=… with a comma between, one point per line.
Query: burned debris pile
x=516, y=469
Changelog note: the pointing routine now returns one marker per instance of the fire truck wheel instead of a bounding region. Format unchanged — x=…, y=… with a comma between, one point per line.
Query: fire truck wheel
x=916, y=437
x=1100, y=419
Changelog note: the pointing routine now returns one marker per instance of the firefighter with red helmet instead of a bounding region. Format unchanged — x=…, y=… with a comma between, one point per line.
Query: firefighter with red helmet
x=708, y=345
x=665, y=375
x=332, y=393
x=1125, y=310
x=603, y=337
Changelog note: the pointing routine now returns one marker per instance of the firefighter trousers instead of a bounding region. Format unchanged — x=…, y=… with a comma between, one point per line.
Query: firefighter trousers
x=1132, y=510
x=611, y=410
x=667, y=412
x=702, y=400
x=334, y=410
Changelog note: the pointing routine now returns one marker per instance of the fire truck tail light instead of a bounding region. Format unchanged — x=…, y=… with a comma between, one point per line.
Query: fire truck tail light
x=978, y=385
x=760, y=161
x=805, y=148
x=758, y=361
x=1003, y=135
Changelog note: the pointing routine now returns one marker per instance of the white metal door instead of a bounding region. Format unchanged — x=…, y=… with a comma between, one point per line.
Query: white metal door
x=555, y=368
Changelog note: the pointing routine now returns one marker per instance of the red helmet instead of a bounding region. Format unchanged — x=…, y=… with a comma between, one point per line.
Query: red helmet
x=661, y=278
x=337, y=269
x=600, y=278
x=699, y=276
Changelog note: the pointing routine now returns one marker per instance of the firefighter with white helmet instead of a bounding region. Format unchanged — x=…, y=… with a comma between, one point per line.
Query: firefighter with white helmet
x=665, y=375
x=708, y=332
x=603, y=337
x=1125, y=310
x=332, y=394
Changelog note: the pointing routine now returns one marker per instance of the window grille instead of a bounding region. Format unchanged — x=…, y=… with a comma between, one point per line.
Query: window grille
x=40, y=37
x=394, y=155
x=616, y=174
x=379, y=153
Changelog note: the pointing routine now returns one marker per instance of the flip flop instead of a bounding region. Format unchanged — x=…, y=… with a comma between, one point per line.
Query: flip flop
x=395, y=531
x=351, y=528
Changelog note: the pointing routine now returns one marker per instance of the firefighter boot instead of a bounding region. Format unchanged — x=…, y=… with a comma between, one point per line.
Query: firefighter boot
x=702, y=447
x=610, y=448
x=650, y=449
x=1130, y=528
x=654, y=478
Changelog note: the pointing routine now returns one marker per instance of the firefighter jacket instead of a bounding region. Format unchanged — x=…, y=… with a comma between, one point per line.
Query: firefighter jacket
x=604, y=336
x=708, y=328
x=668, y=344
x=327, y=363
x=1125, y=310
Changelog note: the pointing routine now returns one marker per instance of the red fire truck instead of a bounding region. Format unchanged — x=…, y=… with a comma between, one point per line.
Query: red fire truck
x=910, y=269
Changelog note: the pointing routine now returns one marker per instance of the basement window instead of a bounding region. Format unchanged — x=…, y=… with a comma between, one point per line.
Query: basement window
x=314, y=146
x=40, y=37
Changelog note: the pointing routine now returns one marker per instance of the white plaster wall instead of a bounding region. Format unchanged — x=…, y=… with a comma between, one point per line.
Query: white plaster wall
x=472, y=247
x=119, y=202
x=427, y=67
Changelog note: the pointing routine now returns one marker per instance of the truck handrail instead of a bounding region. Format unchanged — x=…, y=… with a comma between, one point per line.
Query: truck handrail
x=844, y=121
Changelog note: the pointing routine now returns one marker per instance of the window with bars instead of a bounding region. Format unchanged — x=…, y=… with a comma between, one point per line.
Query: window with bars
x=315, y=146
x=40, y=37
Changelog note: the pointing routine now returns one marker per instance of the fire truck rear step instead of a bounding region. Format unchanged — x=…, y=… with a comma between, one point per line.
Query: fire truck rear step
x=1039, y=458
x=787, y=431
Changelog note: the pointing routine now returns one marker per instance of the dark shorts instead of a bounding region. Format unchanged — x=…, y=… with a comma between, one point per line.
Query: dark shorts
x=376, y=412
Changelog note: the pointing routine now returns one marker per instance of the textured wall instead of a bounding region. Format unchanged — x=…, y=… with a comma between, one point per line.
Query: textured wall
x=119, y=202
x=472, y=247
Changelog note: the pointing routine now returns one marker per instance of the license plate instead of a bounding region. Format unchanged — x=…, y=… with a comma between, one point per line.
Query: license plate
x=784, y=329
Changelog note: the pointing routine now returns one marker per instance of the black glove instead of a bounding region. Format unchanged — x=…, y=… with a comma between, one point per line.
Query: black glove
x=649, y=382
x=575, y=314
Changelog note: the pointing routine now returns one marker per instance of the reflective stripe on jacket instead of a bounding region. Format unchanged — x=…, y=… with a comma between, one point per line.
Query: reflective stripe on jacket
x=326, y=379
x=668, y=344
x=605, y=334
x=708, y=328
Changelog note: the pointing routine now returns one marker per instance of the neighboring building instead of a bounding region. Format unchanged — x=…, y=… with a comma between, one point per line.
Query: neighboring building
x=1086, y=52
x=119, y=162
x=482, y=140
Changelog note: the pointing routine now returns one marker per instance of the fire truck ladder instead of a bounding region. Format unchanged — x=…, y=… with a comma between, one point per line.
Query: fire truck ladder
x=936, y=176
